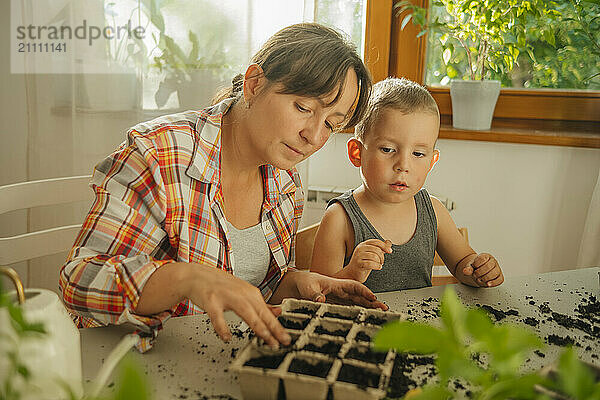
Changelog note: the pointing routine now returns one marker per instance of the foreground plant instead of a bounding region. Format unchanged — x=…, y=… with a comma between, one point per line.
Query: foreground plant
x=464, y=336
x=17, y=382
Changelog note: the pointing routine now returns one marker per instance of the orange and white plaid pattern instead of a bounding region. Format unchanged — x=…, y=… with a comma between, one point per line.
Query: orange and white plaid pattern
x=159, y=200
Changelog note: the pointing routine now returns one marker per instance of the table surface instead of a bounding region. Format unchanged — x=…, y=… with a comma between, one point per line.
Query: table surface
x=189, y=361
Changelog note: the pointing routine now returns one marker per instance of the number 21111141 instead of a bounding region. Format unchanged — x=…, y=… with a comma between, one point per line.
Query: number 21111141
x=24, y=47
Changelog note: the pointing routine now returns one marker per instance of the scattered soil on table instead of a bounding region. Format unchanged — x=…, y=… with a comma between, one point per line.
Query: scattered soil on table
x=330, y=348
x=545, y=308
x=589, y=309
x=539, y=354
x=293, y=324
x=269, y=362
x=366, y=355
x=559, y=340
x=569, y=322
x=404, y=364
x=359, y=376
x=498, y=314
x=531, y=321
x=363, y=337
x=319, y=369
x=321, y=330
x=305, y=310
x=339, y=316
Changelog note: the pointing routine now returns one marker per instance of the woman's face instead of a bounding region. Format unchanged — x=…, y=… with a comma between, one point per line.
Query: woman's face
x=286, y=128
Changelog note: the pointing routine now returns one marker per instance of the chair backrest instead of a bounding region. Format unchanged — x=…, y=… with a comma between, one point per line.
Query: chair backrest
x=305, y=242
x=30, y=194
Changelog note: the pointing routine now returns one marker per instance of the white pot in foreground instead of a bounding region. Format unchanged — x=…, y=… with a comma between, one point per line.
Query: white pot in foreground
x=473, y=103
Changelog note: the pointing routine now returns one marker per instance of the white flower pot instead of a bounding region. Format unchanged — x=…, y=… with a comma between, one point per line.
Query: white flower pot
x=473, y=103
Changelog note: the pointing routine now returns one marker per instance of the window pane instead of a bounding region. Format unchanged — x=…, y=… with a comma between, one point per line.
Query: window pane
x=573, y=63
x=196, y=46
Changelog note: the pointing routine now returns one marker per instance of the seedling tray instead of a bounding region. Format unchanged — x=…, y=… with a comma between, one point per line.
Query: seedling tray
x=331, y=353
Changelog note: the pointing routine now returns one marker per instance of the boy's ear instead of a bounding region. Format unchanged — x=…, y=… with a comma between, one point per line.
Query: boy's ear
x=434, y=159
x=354, y=151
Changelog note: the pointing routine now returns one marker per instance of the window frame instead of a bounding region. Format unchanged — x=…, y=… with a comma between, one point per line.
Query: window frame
x=537, y=116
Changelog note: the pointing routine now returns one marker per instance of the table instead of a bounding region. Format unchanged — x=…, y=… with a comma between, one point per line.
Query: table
x=189, y=360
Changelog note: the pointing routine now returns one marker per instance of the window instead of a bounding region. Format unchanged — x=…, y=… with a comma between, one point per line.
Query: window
x=194, y=47
x=573, y=62
x=522, y=115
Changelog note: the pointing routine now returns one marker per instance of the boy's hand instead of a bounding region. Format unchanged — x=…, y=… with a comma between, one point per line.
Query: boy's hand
x=367, y=256
x=484, y=270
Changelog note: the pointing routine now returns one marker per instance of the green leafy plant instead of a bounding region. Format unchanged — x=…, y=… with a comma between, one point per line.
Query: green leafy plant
x=491, y=33
x=177, y=66
x=464, y=336
x=131, y=382
x=16, y=370
x=125, y=51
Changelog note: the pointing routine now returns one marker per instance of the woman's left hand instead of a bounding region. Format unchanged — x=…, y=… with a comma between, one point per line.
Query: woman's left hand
x=317, y=287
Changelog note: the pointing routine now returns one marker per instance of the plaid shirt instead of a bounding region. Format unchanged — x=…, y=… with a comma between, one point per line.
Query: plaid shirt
x=159, y=200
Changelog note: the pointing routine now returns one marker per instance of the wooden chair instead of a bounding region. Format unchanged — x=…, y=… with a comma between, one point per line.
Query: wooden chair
x=19, y=196
x=305, y=241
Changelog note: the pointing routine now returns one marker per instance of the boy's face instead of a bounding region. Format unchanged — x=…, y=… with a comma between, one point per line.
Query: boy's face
x=398, y=154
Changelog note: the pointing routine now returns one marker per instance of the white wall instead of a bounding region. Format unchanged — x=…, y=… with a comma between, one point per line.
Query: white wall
x=526, y=204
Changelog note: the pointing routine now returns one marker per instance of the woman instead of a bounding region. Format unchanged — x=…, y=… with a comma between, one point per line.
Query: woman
x=188, y=197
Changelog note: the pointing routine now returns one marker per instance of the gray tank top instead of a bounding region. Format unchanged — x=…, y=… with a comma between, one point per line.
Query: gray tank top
x=251, y=253
x=409, y=265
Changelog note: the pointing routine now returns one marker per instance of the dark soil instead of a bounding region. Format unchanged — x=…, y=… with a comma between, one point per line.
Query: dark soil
x=498, y=314
x=559, y=340
x=591, y=310
x=568, y=322
x=269, y=362
x=545, y=308
x=305, y=310
x=321, y=330
x=400, y=381
x=339, y=316
x=531, y=321
x=363, y=337
x=359, y=376
x=373, y=320
x=330, y=348
x=320, y=368
x=293, y=324
x=366, y=355
x=539, y=354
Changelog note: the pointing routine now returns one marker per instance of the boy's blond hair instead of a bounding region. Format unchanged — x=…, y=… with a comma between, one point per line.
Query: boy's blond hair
x=399, y=94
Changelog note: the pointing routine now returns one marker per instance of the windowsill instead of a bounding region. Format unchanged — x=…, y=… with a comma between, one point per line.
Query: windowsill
x=525, y=136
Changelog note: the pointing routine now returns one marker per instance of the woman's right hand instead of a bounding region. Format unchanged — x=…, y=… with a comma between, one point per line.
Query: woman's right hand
x=216, y=291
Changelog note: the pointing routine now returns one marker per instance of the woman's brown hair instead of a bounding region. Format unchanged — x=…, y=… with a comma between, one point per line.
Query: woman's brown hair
x=311, y=60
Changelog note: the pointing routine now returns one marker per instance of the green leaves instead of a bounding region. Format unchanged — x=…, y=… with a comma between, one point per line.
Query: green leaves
x=405, y=336
x=483, y=25
x=132, y=383
x=575, y=379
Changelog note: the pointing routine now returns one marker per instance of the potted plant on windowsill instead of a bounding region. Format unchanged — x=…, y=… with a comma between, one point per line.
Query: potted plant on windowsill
x=193, y=76
x=491, y=33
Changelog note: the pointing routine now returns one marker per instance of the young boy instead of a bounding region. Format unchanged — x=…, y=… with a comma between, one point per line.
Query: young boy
x=385, y=232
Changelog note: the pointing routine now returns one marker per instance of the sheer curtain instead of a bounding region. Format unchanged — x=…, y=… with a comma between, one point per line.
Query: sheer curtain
x=589, y=251
x=62, y=124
